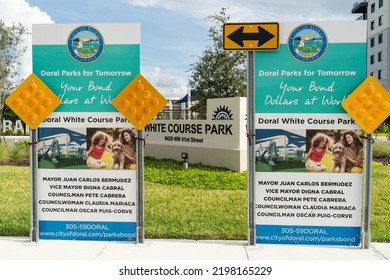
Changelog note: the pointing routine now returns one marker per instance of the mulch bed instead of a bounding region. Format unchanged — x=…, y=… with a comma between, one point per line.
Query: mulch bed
x=383, y=160
x=15, y=162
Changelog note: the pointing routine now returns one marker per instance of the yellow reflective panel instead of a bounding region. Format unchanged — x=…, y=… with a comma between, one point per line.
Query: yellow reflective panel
x=368, y=104
x=33, y=101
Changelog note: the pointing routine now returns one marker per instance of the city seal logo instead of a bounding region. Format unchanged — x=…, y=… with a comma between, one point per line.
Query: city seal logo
x=307, y=43
x=85, y=44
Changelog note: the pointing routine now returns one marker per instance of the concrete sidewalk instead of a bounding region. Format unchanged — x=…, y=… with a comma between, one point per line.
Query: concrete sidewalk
x=18, y=248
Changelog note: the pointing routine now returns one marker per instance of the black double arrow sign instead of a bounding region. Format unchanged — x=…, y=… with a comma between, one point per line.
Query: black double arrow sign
x=262, y=36
x=251, y=36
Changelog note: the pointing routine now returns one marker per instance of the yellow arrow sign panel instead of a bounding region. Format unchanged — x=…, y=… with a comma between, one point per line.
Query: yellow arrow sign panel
x=251, y=36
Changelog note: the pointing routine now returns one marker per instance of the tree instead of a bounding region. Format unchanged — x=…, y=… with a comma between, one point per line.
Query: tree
x=11, y=39
x=217, y=73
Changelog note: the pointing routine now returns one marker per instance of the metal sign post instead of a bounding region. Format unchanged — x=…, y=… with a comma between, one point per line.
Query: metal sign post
x=140, y=187
x=366, y=239
x=139, y=102
x=34, y=187
x=251, y=146
x=261, y=36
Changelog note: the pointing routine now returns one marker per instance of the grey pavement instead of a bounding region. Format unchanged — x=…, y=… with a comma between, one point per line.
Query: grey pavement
x=20, y=248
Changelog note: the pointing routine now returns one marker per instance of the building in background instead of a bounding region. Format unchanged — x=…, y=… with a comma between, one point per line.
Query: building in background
x=376, y=12
x=179, y=108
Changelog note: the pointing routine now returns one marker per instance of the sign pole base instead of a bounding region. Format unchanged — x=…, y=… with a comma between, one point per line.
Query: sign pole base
x=34, y=236
x=367, y=192
x=140, y=187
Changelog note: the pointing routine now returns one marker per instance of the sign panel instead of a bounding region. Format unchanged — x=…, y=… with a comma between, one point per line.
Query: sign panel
x=368, y=104
x=308, y=159
x=32, y=101
x=86, y=175
x=139, y=102
x=251, y=36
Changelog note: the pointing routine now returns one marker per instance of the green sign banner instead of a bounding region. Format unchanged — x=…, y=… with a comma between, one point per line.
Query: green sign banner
x=86, y=177
x=308, y=150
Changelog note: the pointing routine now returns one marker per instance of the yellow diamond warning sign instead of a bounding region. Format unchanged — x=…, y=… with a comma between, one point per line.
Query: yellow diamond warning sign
x=368, y=104
x=139, y=102
x=33, y=101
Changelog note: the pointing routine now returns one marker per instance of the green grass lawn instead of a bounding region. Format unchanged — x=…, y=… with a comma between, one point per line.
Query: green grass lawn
x=174, y=208
x=14, y=201
x=182, y=213
x=380, y=204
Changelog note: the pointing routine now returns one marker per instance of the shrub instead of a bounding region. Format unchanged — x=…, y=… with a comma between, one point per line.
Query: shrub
x=381, y=149
x=19, y=150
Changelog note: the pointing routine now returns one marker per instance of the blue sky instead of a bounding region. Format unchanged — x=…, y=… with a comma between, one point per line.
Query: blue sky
x=173, y=32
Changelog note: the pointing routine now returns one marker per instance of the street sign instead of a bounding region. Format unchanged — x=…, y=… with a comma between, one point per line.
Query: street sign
x=33, y=101
x=289, y=109
x=139, y=102
x=251, y=36
x=368, y=104
x=66, y=58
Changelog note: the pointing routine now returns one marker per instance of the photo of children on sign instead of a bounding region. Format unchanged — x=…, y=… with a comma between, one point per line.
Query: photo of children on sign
x=111, y=148
x=327, y=151
x=91, y=148
x=335, y=151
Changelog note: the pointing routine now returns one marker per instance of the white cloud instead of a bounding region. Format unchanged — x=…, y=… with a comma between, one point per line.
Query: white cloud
x=166, y=82
x=168, y=76
x=16, y=11
x=257, y=10
x=156, y=72
x=19, y=11
x=248, y=11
